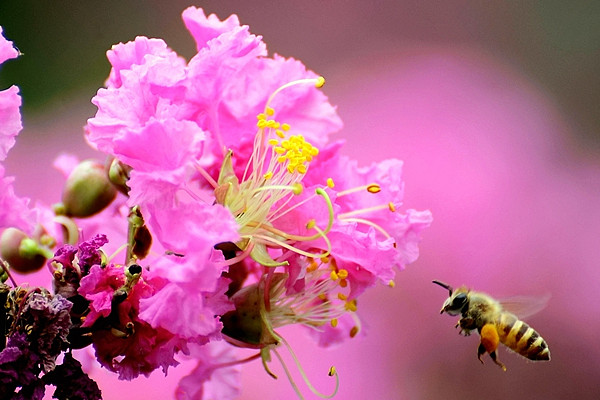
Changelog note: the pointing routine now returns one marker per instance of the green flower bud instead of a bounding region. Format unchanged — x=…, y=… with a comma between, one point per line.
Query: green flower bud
x=22, y=253
x=87, y=190
x=118, y=174
x=246, y=326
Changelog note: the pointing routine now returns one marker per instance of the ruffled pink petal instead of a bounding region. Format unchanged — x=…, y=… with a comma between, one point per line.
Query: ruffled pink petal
x=124, y=56
x=203, y=28
x=145, y=90
x=164, y=145
x=14, y=210
x=7, y=49
x=10, y=102
x=98, y=287
x=180, y=309
x=10, y=119
x=193, y=228
x=207, y=380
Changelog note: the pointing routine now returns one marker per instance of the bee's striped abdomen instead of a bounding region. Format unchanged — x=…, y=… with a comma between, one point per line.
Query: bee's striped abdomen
x=521, y=338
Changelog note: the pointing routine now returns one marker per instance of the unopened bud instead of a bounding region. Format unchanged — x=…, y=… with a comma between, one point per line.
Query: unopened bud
x=118, y=174
x=245, y=326
x=22, y=253
x=87, y=190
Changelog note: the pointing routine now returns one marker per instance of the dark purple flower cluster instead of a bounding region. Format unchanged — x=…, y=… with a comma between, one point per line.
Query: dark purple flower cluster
x=36, y=324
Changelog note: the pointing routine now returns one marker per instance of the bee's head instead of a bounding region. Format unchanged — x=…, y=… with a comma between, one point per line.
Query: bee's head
x=457, y=301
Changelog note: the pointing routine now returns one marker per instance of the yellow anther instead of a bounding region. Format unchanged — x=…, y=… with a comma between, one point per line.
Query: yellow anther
x=291, y=168
x=286, y=144
x=334, y=276
x=324, y=260
x=311, y=224
x=297, y=188
x=343, y=273
x=261, y=123
x=273, y=142
x=343, y=283
x=270, y=111
x=332, y=371
x=281, y=159
x=268, y=175
x=330, y=183
x=334, y=322
x=279, y=150
x=342, y=296
x=285, y=127
x=351, y=305
x=301, y=168
x=261, y=116
x=353, y=331
x=322, y=296
x=272, y=123
x=392, y=207
x=320, y=82
x=280, y=133
x=313, y=151
x=392, y=284
x=373, y=188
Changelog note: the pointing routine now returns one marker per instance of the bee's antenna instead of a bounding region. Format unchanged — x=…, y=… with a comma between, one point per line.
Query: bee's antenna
x=445, y=286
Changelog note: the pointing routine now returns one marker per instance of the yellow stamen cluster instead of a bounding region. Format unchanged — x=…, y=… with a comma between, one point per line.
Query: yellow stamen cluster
x=294, y=152
x=273, y=176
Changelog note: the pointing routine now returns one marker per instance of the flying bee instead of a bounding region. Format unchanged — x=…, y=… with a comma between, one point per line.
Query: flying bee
x=494, y=324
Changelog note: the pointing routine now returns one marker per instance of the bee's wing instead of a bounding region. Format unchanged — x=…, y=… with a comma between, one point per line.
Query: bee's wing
x=525, y=306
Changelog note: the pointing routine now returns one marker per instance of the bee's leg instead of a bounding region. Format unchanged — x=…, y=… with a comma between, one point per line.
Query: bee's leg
x=494, y=357
x=466, y=325
x=480, y=351
x=489, y=343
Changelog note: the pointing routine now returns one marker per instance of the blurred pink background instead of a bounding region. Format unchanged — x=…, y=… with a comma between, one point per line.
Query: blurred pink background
x=492, y=107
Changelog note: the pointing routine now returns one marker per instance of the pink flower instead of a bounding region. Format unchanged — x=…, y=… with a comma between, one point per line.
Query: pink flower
x=10, y=101
x=257, y=222
x=14, y=210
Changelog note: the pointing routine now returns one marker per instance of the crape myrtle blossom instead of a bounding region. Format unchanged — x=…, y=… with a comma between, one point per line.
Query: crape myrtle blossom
x=222, y=213
x=231, y=147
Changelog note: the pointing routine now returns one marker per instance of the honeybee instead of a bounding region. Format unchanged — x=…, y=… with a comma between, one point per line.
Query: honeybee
x=494, y=324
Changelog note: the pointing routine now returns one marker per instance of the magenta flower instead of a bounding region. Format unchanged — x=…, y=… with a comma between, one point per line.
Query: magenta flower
x=227, y=190
x=124, y=343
